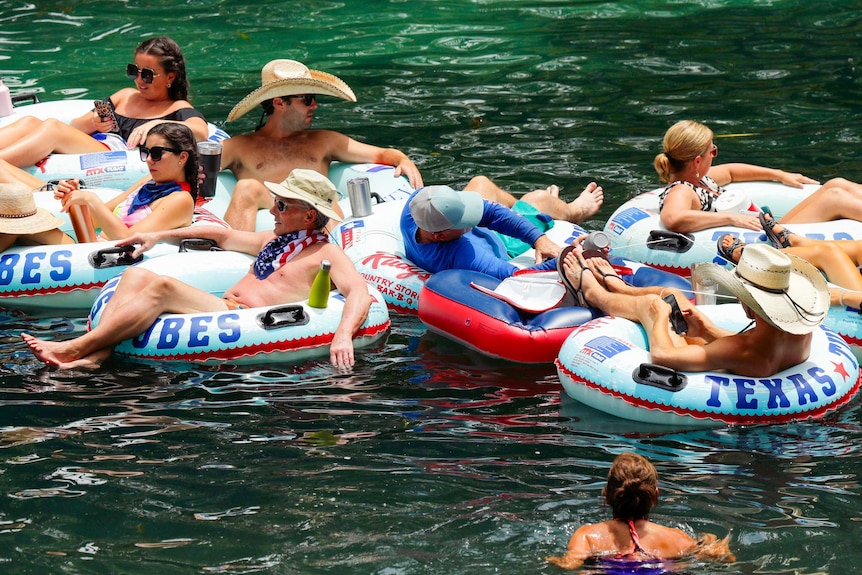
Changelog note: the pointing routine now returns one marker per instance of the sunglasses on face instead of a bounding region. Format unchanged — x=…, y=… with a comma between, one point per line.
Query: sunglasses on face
x=713, y=151
x=307, y=99
x=155, y=152
x=284, y=205
x=147, y=74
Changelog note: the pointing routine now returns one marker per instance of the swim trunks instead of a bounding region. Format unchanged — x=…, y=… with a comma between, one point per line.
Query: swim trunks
x=233, y=305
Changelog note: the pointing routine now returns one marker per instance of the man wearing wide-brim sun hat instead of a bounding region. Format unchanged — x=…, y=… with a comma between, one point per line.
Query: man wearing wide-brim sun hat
x=290, y=78
x=21, y=221
x=785, y=297
x=284, y=140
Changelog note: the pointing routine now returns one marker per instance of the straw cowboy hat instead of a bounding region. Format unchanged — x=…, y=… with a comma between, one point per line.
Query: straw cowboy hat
x=786, y=291
x=289, y=77
x=19, y=214
x=311, y=187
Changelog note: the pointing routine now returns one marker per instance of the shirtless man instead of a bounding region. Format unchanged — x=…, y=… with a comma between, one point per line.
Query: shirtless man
x=288, y=259
x=785, y=297
x=285, y=141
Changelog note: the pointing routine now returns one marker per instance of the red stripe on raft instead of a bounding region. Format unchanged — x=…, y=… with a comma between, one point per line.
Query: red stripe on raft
x=52, y=291
x=723, y=417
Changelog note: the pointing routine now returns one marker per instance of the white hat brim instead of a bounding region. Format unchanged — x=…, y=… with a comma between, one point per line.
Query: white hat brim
x=807, y=289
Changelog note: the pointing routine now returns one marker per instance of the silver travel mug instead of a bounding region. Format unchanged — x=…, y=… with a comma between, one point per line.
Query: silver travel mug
x=209, y=156
x=359, y=194
x=596, y=241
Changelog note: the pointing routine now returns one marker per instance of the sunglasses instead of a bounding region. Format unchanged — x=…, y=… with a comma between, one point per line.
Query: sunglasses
x=307, y=99
x=147, y=74
x=713, y=151
x=284, y=205
x=155, y=152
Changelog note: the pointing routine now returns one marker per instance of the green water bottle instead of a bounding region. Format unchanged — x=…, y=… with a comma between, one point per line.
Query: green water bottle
x=319, y=295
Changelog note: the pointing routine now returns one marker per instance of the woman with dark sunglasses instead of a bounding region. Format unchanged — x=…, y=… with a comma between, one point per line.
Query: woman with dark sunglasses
x=164, y=201
x=160, y=94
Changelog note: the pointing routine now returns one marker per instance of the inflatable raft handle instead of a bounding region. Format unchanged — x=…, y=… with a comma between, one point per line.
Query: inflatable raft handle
x=34, y=99
x=283, y=316
x=666, y=241
x=660, y=377
x=199, y=244
x=112, y=257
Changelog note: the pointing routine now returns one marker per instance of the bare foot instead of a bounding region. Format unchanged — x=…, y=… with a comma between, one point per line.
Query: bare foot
x=588, y=203
x=61, y=354
x=603, y=270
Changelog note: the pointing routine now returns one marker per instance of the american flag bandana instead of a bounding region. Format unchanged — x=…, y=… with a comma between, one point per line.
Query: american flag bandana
x=283, y=249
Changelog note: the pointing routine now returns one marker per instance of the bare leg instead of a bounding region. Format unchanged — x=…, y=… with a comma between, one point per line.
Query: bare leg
x=248, y=197
x=618, y=304
x=836, y=199
x=547, y=201
x=10, y=174
x=830, y=257
x=578, y=210
x=18, y=129
x=51, y=136
x=140, y=298
x=853, y=248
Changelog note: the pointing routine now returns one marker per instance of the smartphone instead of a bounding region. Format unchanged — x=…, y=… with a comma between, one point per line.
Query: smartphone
x=677, y=320
x=105, y=112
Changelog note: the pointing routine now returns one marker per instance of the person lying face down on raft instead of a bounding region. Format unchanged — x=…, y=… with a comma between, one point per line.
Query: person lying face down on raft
x=785, y=297
x=630, y=537
x=444, y=229
x=288, y=259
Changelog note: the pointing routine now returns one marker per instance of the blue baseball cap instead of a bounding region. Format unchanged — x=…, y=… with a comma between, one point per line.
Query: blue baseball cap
x=440, y=208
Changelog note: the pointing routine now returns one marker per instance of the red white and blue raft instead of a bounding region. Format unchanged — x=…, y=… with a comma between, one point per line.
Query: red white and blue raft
x=605, y=364
x=471, y=308
x=282, y=333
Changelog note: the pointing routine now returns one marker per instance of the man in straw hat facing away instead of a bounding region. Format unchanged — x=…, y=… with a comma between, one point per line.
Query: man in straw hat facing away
x=288, y=259
x=22, y=222
x=288, y=96
x=785, y=297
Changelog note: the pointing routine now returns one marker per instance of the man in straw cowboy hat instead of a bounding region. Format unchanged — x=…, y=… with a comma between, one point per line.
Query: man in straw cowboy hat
x=23, y=223
x=288, y=259
x=785, y=297
x=284, y=141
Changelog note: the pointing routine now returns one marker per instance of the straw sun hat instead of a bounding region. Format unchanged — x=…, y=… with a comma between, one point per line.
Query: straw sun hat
x=289, y=77
x=786, y=291
x=19, y=214
x=311, y=187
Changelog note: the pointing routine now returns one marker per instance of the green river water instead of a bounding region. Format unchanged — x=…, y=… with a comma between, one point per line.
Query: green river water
x=429, y=458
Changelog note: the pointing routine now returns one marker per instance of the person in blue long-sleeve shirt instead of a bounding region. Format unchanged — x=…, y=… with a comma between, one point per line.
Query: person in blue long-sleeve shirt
x=444, y=229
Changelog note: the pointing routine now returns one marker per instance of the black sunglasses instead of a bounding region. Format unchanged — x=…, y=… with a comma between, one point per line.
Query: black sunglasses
x=147, y=74
x=284, y=205
x=155, y=152
x=307, y=99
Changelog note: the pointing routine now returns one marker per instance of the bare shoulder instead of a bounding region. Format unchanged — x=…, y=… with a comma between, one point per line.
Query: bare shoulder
x=122, y=95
